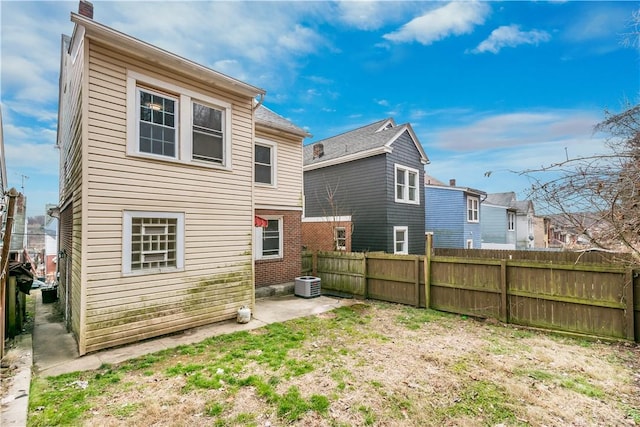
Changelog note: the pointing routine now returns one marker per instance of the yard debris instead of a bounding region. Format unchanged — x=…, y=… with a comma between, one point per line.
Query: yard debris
x=80, y=384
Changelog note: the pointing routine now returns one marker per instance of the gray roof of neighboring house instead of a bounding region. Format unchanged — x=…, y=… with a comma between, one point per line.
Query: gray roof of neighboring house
x=434, y=182
x=509, y=200
x=268, y=118
x=430, y=180
x=365, y=138
x=501, y=199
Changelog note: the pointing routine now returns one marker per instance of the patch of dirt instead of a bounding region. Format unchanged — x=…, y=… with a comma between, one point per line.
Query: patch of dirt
x=449, y=370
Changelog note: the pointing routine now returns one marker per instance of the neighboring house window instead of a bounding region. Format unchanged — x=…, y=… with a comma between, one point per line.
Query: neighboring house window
x=265, y=161
x=406, y=184
x=400, y=240
x=268, y=244
x=472, y=209
x=469, y=243
x=153, y=242
x=511, y=219
x=167, y=121
x=340, y=238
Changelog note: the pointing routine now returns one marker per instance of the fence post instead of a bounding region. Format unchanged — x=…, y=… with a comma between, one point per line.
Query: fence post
x=504, y=298
x=364, y=275
x=629, y=313
x=4, y=264
x=427, y=270
x=12, y=309
x=314, y=263
x=416, y=271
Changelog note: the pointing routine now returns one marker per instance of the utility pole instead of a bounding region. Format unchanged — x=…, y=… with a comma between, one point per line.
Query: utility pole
x=23, y=177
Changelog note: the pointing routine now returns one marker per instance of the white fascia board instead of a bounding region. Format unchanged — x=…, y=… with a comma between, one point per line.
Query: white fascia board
x=349, y=158
x=160, y=56
x=423, y=156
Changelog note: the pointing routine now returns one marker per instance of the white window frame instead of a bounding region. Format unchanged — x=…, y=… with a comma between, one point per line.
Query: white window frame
x=126, y=241
x=405, y=191
x=511, y=221
x=336, y=239
x=469, y=243
x=258, y=237
x=274, y=162
x=185, y=98
x=405, y=243
x=473, y=209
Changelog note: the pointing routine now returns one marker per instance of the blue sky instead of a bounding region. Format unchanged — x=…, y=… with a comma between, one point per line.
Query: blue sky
x=487, y=86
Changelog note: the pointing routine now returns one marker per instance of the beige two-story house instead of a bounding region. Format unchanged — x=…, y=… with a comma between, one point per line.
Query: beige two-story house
x=159, y=205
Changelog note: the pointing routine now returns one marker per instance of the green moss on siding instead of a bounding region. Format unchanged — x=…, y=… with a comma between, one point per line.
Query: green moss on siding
x=208, y=291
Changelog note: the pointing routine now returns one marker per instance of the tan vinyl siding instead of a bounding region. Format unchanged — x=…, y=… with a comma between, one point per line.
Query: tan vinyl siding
x=217, y=207
x=71, y=184
x=288, y=192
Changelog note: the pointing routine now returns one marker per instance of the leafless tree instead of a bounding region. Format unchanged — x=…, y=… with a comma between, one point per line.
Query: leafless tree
x=598, y=196
x=334, y=210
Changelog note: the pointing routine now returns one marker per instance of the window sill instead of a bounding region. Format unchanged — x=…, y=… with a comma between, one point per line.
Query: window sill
x=165, y=159
x=267, y=260
x=150, y=272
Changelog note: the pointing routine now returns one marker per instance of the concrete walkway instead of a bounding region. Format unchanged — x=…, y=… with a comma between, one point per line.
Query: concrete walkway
x=53, y=351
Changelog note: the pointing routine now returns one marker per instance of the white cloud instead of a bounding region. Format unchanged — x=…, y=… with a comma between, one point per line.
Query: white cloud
x=455, y=18
x=373, y=15
x=516, y=129
x=510, y=36
x=599, y=21
x=363, y=15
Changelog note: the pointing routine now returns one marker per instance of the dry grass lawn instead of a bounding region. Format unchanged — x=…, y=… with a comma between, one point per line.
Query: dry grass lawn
x=372, y=364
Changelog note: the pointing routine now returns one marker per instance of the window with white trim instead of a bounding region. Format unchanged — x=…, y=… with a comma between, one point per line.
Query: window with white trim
x=169, y=122
x=469, y=243
x=406, y=185
x=340, y=238
x=473, y=204
x=153, y=242
x=208, y=134
x=511, y=221
x=265, y=163
x=268, y=240
x=158, y=126
x=400, y=240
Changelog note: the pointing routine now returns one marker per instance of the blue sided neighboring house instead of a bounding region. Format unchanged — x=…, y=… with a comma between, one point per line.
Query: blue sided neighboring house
x=374, y=175
x=524, y=217
x=453, y=214
x=498, y=224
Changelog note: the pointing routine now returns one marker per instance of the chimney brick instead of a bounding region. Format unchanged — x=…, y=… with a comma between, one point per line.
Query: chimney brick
x=86, y=9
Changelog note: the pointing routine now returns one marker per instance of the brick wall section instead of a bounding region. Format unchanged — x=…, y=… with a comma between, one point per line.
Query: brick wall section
x=285, y=270
x=318, y=236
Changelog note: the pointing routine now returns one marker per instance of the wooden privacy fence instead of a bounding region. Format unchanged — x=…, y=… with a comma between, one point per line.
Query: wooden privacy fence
x=593, y=299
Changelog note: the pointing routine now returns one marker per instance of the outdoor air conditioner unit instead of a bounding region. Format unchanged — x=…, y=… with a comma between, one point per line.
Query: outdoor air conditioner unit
x=307, y=287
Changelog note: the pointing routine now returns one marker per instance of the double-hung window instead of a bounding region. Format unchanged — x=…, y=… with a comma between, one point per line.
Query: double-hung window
x=153, y=242
x=406, y=185
x=208, y=134
x=473, y=204
x=166, y=121
x=340, y=238
x=158, y=125
x=400, y=240
x=511, y=220
x=265, y=163
x=268, y=240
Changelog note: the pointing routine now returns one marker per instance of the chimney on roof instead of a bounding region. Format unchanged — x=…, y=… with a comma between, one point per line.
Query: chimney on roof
x=86, y=9
x=452, y=182
x=318, y=151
